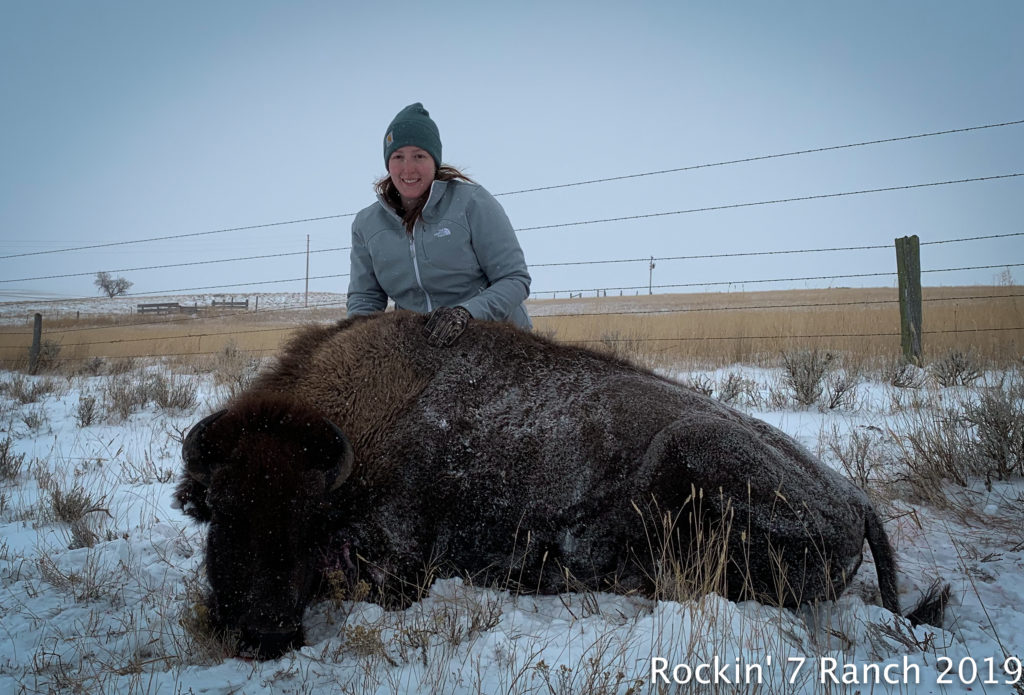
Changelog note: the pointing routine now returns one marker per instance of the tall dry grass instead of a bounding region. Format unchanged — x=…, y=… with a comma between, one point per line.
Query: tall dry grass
x=719, y=329
x=713, y=329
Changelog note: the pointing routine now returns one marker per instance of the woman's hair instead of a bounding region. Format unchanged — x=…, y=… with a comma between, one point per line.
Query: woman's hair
x=385, y=188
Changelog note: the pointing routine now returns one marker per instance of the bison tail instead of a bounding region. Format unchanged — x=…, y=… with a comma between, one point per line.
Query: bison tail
x=930, y=608
x=885, y=561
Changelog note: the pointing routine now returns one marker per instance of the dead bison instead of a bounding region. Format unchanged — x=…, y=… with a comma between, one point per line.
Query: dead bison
x=505, y=458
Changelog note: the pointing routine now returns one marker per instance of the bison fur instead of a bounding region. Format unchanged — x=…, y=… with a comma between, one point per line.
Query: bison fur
x=506, y=458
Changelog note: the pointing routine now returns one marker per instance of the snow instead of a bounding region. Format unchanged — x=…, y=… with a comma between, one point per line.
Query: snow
x=109, y=618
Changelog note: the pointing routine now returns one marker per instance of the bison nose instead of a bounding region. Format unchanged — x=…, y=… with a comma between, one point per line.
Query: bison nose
x=269, y=644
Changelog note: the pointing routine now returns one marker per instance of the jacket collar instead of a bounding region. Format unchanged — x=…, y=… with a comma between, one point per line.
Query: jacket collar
x=437, y=191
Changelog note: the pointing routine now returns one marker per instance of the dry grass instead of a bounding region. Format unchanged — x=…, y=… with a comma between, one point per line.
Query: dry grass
x=711, y=329
x=755, y=327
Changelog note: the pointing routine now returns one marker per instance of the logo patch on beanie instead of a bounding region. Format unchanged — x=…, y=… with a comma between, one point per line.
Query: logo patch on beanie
x=389, y=138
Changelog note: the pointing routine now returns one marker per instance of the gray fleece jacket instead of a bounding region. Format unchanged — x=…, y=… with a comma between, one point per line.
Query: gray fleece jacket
x=463, y=252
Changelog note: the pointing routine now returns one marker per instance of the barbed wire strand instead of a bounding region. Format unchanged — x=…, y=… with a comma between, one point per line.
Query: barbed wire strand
x=624, y=288
x=506, y=193
x=778, y=201
x=758, y=158
x=532, y=265
x=894, y=334
x=677, y=310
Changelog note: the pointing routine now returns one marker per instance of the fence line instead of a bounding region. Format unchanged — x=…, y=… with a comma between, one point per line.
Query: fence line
x=677, y=339
x=340, y=303
x=703, y=256
x=681, y=310
x=631, y=312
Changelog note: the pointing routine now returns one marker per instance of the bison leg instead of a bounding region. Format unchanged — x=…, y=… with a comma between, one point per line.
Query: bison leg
x=794, y=530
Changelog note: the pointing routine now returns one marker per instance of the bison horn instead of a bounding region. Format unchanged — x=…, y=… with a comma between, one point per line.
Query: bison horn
x=344, y=460
x=195, y=449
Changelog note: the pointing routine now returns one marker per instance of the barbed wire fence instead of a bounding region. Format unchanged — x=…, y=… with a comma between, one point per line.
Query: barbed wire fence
x=69, y=339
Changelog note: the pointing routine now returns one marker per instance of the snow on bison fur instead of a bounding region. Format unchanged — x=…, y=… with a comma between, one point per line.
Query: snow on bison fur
x=505, y=456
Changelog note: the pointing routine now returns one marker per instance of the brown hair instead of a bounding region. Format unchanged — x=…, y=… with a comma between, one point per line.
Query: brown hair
x=386, y=189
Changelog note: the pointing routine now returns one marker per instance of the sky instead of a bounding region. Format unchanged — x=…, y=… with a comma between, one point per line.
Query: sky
x=123, y=121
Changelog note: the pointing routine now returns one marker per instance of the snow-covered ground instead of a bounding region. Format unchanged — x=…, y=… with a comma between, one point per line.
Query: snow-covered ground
x=114, y=617
x=18, y=312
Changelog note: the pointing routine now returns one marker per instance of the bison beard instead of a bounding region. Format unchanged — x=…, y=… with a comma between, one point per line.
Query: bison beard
x=505, y=456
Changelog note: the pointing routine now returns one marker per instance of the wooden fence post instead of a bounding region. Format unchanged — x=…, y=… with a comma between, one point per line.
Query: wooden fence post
x=37, y=341
x=908, y=267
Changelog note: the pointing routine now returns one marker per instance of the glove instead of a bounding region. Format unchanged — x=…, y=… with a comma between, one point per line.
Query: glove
x=445, y=325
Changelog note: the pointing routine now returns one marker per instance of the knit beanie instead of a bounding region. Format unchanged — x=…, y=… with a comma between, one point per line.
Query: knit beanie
x=413, y=126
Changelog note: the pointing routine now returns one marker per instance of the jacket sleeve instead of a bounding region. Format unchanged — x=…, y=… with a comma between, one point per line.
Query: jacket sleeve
x=501, y=259
x=365, y=295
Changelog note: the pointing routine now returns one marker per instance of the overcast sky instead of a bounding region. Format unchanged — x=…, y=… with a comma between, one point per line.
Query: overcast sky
x=124, y=120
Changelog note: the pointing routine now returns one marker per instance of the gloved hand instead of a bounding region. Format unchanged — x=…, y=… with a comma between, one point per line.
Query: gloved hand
x=445, y=325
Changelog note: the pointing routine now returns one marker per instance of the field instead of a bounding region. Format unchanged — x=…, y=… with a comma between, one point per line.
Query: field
x=712, y=329
x=101, y=579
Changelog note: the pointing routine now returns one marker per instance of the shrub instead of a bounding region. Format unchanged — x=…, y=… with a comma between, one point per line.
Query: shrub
x=840, y=390
x=701, y=384
x=998, y=420
x=94, y=366
x=902, y=375
x=235, y=369
x=34, y=418
x=736, y=388
x=937, y=447
x=804, y=371
x=87, y=412
x=173, y=393
x=957, y=369
x=72, y=505
x=10, y=463
x=123, y=395
x=49, y=355
x=26, y=389
x=863, y=454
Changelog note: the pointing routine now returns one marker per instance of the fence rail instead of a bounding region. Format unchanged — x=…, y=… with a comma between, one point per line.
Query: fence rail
x=161, y=308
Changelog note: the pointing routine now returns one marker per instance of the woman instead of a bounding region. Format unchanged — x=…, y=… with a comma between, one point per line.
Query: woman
x=435, y=242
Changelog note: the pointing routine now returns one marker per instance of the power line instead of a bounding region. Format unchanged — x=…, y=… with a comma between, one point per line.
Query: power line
x=972, y=238
x=177, y=236
x=762, y=307
x=532, y=265
x=528, y=190
x=720, y=283
x=758, y=158
x=771, y=202
x=711, y=255
x=179, y=265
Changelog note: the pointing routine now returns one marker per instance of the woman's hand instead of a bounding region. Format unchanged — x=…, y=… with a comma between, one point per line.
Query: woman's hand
x=445, y=325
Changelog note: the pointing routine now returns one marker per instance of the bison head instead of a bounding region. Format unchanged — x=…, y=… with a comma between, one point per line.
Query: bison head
x=260, y=473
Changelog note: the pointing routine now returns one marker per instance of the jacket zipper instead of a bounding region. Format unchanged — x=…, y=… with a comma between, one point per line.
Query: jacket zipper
x=416, y=266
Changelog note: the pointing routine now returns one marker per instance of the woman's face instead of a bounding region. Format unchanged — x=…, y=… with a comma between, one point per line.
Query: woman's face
x=412, y=171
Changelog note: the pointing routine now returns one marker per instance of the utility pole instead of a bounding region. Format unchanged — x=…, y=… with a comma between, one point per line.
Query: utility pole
x=306, y=301
x=650, y=278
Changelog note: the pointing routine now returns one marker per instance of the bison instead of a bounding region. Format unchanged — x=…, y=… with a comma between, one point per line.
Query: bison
x=507, y=458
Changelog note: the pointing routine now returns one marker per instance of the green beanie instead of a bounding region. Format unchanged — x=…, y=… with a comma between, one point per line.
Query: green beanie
x=413, y=126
